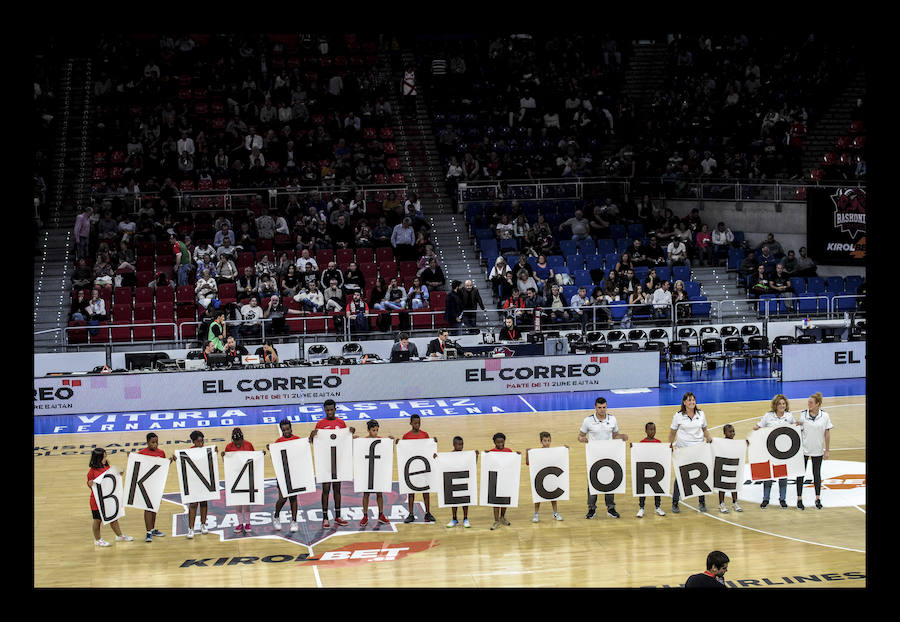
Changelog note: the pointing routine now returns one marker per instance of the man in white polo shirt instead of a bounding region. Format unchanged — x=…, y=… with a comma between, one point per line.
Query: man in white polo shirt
x=600, y=427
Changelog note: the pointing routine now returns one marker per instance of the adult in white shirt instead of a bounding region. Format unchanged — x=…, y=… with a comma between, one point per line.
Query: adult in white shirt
x=662, y=300
x=677, y=253
x=722, y=237
x=816, y=436
x=200, y=251
x=779, y=416
x=600, y=426
x=688, y=428
x=252, y=314
x=206, y=288
x=304, y=259
x=252, y=139
x=186, y=144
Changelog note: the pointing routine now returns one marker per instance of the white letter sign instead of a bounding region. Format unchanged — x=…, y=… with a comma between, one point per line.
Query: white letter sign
x=775, y=453
x=456, y=479
x=108, y=493
x=500, y=475
x=728, y=464
x=651, y=469
x=145, y=481
x=549, y=473
x=333, y=450
x=416, y=465
x=244, y=478
x=373, y=464
x=293, y=464
x=693, y=470
x=606, y=466
x=198, y=474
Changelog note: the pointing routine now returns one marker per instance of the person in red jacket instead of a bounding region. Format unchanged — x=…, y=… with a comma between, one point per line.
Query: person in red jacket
x=650, y=430
x=243, y=511
x=98, y=466
x=415, y=422
x=152, y=449
x=330, y=422
x=286, y=435
x=500, y=513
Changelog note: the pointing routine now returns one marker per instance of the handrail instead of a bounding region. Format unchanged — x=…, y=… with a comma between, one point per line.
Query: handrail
x=109, y=327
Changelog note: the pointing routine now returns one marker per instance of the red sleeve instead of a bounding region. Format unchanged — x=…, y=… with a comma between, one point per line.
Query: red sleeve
x=176, y=249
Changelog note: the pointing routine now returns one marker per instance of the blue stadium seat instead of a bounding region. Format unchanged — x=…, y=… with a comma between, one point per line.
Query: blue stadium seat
x=767, y=301
x=617, y=310
x=664, y=274
x=532, y=261
x=636, y=230
x=700, y=310
x=605, y=246
x=568, y=291
x=735, y=257
x=586, y=246
x=806, y=305
x=574, y=262
x=511, y=260
x=843, y=303
x=583, y=277
x=738, y=237
x=488, y=247
x=556, y=262
x=568, y=247
x=622, y=244
x=798, y=283
x=681, y=273
x=593, y=262
x=484, y=234
x=509, y=246
x=618, y=231
x=692, y=288
x=641, y=272
x=852, y=283
x=835, y=285
x=610, y=259
x=815, y=285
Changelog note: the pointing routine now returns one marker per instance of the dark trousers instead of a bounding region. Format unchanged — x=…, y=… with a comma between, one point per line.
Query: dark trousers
x=817, y=475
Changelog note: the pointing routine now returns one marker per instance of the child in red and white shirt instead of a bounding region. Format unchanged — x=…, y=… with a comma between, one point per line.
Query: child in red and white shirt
x=243, y=511
x=286, y=435
x=330, y=422
x=372, y=427
x=98, y=466
x=500, y=513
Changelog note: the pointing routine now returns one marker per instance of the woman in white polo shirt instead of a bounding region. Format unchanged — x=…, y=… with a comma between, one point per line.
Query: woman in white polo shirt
x=816, y=436
x=779, y=416
x=688, y=428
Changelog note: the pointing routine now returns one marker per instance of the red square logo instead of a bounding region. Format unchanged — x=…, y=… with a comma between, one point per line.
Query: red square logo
x=760, y=470
x=335, y=370
x=345, y=371
x=593, y=359
x=779, y=470
x=66, y=383
x=76, y=383
x=604, y=359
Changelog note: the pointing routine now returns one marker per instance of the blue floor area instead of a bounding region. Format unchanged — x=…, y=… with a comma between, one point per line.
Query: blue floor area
x=743, y=387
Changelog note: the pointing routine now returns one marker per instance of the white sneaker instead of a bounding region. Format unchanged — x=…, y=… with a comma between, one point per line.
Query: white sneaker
x=203, y=529
x=101, y=542
x=660, y=512
x=557, y=516
x=722, y=508
x=453, y=523
x=294, y=525
x=276, y=521
x=536, y=518
x=736, y=507
x=190, y=534
x=466, y=522
x=640, y=513
x=124, y=538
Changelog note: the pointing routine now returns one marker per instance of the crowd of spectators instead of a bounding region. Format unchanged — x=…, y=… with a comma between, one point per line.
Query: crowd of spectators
x=43, y=128
x=204, y=111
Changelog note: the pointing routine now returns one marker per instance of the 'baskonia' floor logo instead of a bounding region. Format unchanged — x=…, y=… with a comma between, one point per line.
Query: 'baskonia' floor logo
x=223, y=519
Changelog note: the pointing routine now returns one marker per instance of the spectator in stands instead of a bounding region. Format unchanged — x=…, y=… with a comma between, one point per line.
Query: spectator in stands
x=161, y=280
x=680, y=295
x=107, y=227
x=768, y=260
x=543, y=272
x=780, y=284
x=453, y=306
x=83, y=233
x=310, y=276
x=182, y=259
x=805, y=265
x=653, y=253
x=103, y=272
x=636, y=253
x=418, y=296
x=248, y=284
x=509, y=332
x=651, y=282
x=662, y=301
x=524, y=280
x=127, y=228
x=578, y=225
x=332, y=272
x=206, y=288
x=305, y=259
x=624, y=264
x=333, y=296
x=789, y=263
x=268, y=287
x=774, y=246
x=433, y=275
x=677, y=253
x=506, y=287
x=403, y=239
x=722, y=239
x=364, y=238
x=626, y=281
x=759, y=283
x=703, y=245
x=83, y=276
x=291, y=282
x=311, y=298
x=356, y=311
x=497, y=274
x=226, y=270
x=471, y=301
x=581, y=303
x=206, y=263
x=251, y=313
x=265, y=225
x=222, y=234
x=201, y=250
x=96, y=310
x=382, y=233
x=354, y=279
x=264, y=266
x=78, y=311
x=640, y=298
x=556, y=305
x=394, y=298
x=599, y=224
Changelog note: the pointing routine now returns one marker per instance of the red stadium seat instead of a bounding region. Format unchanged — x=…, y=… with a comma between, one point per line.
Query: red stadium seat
x=165, y=294
x=365, y=254
x=384, y=253
x=323, y=257
x=143, y=311
x=143, y=294
x=144, y=332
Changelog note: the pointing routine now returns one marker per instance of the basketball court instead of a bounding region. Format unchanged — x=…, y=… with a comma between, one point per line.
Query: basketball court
x=767, y=547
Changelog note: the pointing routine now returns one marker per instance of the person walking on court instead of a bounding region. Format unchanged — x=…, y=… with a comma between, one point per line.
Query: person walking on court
x=545, y=442
x=152, y=449
x=714, y=575
x=415, y=422
x=458, y=446
x=688, y=428
x=99, y=464
x=728, y=432
x=197, y=439
x=650, y=430
x=286, y=435
x=600, y=426
x=815, y=432
x=330, y=422
x=243, y=511
x=778, y=417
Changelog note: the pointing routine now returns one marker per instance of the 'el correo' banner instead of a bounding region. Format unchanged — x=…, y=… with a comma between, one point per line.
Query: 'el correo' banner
x=315, y=384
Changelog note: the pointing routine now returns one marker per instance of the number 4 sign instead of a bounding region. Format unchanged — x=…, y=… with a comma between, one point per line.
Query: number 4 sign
x=244, y=478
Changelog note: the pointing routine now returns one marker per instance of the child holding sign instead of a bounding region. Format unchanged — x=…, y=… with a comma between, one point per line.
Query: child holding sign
x=243, y=511
x=415, y=422
x=197, y=439
x=330, y=422
x=500, y=513
x=98, y=466
x=372, y=427
x=545, y=442
x=152, y=449
x=650, y=431
x=286, y=435
x=728, y=431
x=458, y=446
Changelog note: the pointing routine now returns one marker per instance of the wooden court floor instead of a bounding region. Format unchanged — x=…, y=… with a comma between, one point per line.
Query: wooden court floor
x=770, y=547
